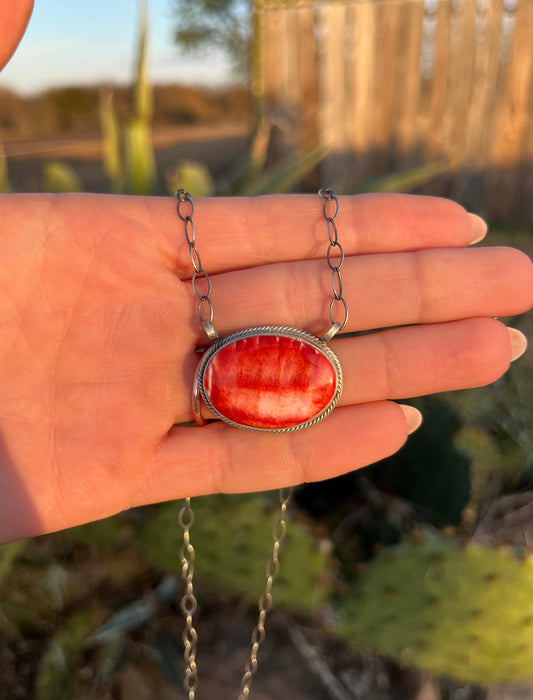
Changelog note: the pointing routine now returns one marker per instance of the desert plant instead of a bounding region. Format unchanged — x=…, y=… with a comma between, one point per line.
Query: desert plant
x=446, y=606
x=231, y=536
x=128, y=153
x=58, y=177
x=4, y=179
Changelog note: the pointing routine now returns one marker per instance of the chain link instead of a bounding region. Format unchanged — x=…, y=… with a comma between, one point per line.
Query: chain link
x=185, y=209
x=188, y=603
x=265, y=602
x=334, y=249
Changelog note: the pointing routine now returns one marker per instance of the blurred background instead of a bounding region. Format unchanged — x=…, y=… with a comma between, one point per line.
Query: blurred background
x=408, y=580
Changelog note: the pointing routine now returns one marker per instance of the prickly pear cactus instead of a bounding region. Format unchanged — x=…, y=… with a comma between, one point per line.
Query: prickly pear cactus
x=232, y=536
x=462, y=610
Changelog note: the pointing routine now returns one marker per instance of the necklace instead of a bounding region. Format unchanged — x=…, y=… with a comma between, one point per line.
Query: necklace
x=274, y=379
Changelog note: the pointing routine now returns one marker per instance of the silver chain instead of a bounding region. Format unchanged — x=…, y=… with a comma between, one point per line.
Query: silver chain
x=265, y=602
x=188, y=603
x=185, y=209
x=336, y=249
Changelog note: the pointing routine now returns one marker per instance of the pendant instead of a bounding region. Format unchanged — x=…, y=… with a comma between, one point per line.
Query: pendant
x=268, y=378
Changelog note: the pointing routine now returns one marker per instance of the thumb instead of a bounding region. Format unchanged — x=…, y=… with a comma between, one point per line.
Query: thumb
x=14, y=18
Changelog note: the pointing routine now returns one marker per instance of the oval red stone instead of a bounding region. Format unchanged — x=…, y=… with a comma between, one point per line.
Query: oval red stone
x=269, y=382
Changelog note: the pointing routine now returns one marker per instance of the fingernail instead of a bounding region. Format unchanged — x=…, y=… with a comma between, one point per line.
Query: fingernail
x=412, y=416
x=518, y=343
x=479, y=228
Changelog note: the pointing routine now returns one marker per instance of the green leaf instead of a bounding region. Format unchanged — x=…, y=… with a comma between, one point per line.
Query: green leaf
x=56, y=678
x=193, y=177
x=142, y=94
x=5, y=187
x=111, y=141
x=250, y=169
x=402, y=181
x=111, y=657
x=59, y=177
x=285, y=177
x=128, y=618
x=8, y=555
x=168, y=653
x=139, y=158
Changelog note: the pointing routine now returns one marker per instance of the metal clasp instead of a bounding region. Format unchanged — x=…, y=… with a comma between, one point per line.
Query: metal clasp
x=333, y=330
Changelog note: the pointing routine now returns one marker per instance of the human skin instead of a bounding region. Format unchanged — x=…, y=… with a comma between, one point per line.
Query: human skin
x=100, y=327
x=99, y=331
x=14, y=17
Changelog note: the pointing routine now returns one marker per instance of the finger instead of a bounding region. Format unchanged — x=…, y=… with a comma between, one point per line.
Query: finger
x=236, y=233
x=218, y=458
x=14, y=18
x=233, y=233
x=420, y=360
x=380, y=290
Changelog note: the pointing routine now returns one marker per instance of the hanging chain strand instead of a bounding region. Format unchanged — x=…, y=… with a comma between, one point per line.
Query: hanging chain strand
x=185, y=208
x=334, y=248
x=188, y=602
x=266, y=601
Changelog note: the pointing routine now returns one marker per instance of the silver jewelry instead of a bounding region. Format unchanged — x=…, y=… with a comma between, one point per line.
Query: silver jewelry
x=265, y=378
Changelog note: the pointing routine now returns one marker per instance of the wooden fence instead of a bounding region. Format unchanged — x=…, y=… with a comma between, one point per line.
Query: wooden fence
x=392, y=84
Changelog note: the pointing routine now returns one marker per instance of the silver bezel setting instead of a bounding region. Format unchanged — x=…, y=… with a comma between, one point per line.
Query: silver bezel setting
x=199, y=393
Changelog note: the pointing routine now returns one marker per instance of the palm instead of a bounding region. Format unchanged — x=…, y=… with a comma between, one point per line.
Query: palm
x=100, y=327
x=99, y=344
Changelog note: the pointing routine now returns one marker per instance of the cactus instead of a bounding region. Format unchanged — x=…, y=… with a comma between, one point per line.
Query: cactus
x=111, y=142
x=5, y=187
x=59, y=177
x=129, y=159
x=462, y=610
x=8, y=556
x=231, y=536
x=56, y=677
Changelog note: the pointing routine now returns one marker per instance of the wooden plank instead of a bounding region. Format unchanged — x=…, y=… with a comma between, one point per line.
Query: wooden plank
x=523, y=206
x=434, y=145
x=258, y=77
x=308, y=78
x=360, y=89
x=463, y=37
x=280, y=81
x=332, y=81
x=485, y=84
x=309, y=135
x=470, y=184
x=268, y=70
x=512, y=118
x=408, y=82
x=388, y=19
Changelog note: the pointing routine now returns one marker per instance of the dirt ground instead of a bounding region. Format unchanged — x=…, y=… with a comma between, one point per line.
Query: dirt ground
x=220, y=147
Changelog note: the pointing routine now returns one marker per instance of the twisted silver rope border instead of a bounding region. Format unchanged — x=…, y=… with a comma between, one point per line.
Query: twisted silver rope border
x=286, y=332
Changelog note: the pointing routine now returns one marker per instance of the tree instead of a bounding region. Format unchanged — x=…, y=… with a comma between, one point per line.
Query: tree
x=221, y=24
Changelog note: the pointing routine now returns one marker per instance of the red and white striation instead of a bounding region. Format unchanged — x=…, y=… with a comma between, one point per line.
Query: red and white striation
x=269, y=381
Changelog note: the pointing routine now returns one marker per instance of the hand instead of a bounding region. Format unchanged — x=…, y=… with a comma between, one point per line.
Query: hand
x=99, y=330
x=14, y=17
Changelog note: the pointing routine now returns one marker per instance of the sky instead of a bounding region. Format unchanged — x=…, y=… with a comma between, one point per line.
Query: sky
x=73, y=42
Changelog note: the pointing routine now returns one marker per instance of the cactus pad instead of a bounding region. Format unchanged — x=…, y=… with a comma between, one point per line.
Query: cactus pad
x=232, y=536
x=452, y=609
